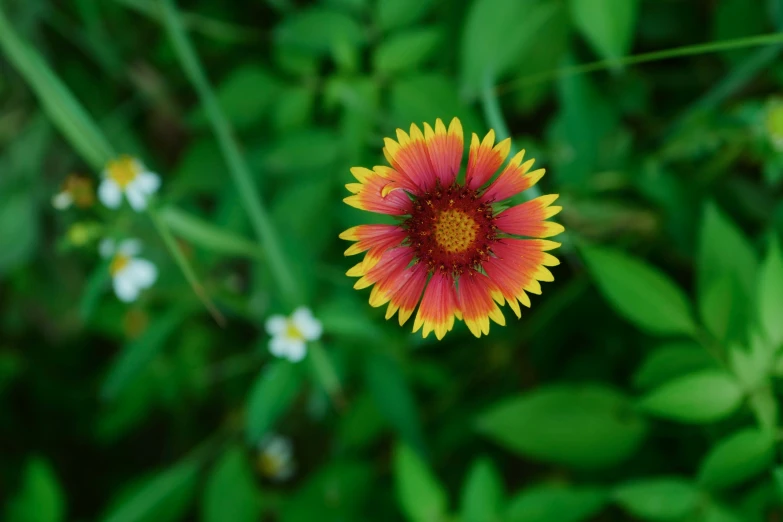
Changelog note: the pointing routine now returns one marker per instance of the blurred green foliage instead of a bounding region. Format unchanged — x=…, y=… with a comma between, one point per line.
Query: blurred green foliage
x=643, y=384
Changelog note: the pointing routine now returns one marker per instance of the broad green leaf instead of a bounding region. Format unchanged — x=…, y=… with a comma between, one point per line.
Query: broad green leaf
x=272, y=393
x=394, y=398
x=607, y=25
x=640, y=292
x=136, y=354
x=547, y=503
x=702, y=397
x=725, y=253
x=661, y=498
x=716, y=513
x=669, y=361
x=494, y=41
x=39, y=498
x=390, y=14
x=246, y=95
x=203, y=233
x=230, y=492
x=406, y=50
x=421, y=496
x=751, y=367
x=715, y=308
x=335, y=492
x=482, y=494
x=424, y=97
x=301, y=154
x=323, y=369
x=163, y=497
x=770, y=295
x=319, y=31
x=294, y=108
x=584, y=426
x=737, y=458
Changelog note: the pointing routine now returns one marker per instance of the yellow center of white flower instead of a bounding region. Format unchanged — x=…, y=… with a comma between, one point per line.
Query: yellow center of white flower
x=118, y=262
x=123, y=170
x=455, y=231
x=292, y=332
x=270, y=464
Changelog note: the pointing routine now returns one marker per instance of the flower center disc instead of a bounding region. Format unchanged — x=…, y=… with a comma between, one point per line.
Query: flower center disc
x=118, y=263
x=451, y=230
x=455, y=231
x=123, y=171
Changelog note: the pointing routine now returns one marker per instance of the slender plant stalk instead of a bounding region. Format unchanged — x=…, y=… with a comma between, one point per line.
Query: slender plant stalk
x=655, y=56
x=237, y=166
x=187, y=270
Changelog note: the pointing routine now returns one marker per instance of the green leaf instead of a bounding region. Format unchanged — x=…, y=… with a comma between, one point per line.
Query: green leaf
x=158, y=498
x=770, y=295
x=323, y=369
x=607, y=25
x=272, y=393
x=230, y=492
x=18, y=229
x=285, y=158
x=394, y=398
x=669, y=361
x=422, y=497
x=390, y=14
x=725, y=253
x=547, y=503
x=716, y=307
x=482, y=495
x=640, y=292
x=587, y=426
x=40, y=498
x=662, y=498
x=751, y=367
x=294, y=108
x=701, y=397
x=97, y=282
x=494, y=41
x=737, y=458
x=246, y=96
x=407, y=50
x=319, y=31
x=135, y=355
x=424, y=97
x=203, y=233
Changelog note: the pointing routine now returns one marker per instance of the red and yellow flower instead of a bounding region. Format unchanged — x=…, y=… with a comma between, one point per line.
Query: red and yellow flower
x=455, y=252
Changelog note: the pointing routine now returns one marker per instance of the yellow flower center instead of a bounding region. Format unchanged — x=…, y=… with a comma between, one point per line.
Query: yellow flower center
x=119, y=262
x=292, y=332
x=270, y=465
x=123, y=170
x=455, y=231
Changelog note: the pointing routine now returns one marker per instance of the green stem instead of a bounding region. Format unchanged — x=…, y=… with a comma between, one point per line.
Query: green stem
x=184, y=265
x=237, y=166
x=666, y=54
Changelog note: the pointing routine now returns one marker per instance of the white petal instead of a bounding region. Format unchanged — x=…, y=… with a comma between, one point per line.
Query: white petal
x=296, y=350
x=308, y=326
x=125, y=287
x=130, y=247
x=136, y=198
x=276, y=325
x=144, y=273
x=279, y=346
x=110, y=193
x=62, y=200
x=148, y=182
x=106, y=248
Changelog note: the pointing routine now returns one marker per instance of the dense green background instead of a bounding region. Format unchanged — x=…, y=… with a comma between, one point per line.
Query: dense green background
x=642, y=384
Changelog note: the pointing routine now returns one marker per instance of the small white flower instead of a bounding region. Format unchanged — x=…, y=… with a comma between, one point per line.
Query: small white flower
x=289, y=334
x=127, y=175
x=130, y=274
x=62, y=200
x=275, y=457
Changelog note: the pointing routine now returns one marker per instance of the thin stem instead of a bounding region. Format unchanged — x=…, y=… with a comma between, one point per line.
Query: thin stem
x=237, y=166
x=184, y=265
x=666, y=54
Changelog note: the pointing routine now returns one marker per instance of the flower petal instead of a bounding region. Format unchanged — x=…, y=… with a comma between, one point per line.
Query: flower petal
x=143, y=272
x=513, y=180
x=392, y=261
x=409, y=157
x=129, y=247
x=445, y=150
x=484, y=159
x=106, y=248
x=125, y=287
x=405, y=290
x=367, y=194
x=438, y=306
x=148, y=182
x=308, y=326
x=110, y=193
x=528, y=218
x=477, y=295
x=373, y=237
x=276, y=325
x=136, y=198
